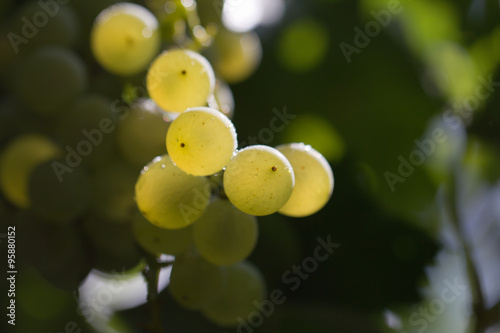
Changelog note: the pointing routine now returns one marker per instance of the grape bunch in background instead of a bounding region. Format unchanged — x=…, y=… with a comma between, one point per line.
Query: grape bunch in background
x=160, y=167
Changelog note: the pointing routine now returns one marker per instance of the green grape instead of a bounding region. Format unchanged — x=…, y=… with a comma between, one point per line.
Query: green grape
x=141, y=135
x=48, y=80
x=15, y=120
x=258, y=180
x=125, y=38
x=225, y=235
x=236, y=55
x=56, y=251
x=32, y=283
x=224, y=98
x=113, y=191
x=180, y=79
x=168, y=197
x=113, y=244
x=18, y=160
x=88, y=131
x=313, y=180
x=194, y=282
x=42, y=23
x=201, y=141
x=158, y=240
x=55, y=199
x=245, y=285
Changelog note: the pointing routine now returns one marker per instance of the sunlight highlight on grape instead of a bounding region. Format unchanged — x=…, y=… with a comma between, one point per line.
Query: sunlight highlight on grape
x=180, y=79
x=201, y=141
x=259, y=180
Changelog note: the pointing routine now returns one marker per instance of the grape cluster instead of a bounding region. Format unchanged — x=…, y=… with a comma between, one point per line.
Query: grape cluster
x=158, y=171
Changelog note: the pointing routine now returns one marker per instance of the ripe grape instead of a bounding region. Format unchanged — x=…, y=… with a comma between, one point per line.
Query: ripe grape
x=194, y=282
x=158, y=240
x=88, y=130
x=55, y=199
x=49, y=79
x=245, y=285
x=224, y=235
x=236, y=55
x=180, y=79
x=168, y=197
x=61, y=28
x=224, y=98
x=141, y=135
x=18, y=160
x=125, y=38
x=313, y=180
x=113, y=191
x=201, y=141
x=258, y=180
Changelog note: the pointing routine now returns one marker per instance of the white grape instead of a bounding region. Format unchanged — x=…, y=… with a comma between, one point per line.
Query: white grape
x=225, y=235
x=313, y=180
x=201, y=141
x=258, y=180
x=168, y=197
x=180, y=79
x=125, y=38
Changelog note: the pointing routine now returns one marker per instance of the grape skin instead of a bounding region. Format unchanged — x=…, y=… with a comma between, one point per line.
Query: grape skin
x=156, y=240
x=55, y=200
x=49, y=79
x=201, y=141
x=141, y=135
x=313, y=180
x=237, y=55
x=125, y=38
x=258, y=180
x=21, y=156
x=180, y=79
x=168, y=197
x=245, y=286
x=194, y=282
x=225, y=235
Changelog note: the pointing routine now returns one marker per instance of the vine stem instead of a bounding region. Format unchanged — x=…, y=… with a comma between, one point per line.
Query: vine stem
x=478, y=304
x=151, y=274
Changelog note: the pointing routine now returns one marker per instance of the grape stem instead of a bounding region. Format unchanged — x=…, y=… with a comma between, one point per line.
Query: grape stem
x=151, y=274
x=192, y=20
